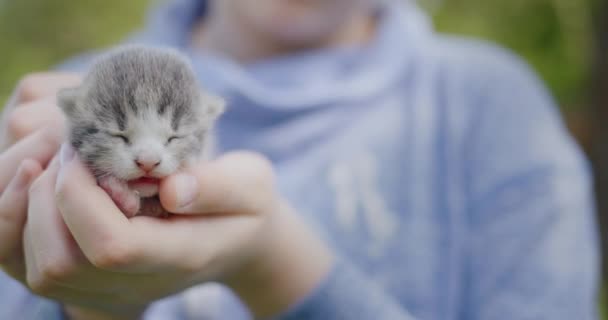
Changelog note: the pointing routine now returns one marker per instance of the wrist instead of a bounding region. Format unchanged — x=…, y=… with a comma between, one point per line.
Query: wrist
x=290, y=264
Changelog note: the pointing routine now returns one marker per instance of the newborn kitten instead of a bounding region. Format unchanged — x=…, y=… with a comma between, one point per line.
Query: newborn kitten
x=138, y=116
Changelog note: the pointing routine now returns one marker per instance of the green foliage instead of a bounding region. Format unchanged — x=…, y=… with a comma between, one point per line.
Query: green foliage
x=37, y=34
x=554, y=36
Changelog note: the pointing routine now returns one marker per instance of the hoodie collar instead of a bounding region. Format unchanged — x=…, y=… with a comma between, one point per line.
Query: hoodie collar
x=311, y=78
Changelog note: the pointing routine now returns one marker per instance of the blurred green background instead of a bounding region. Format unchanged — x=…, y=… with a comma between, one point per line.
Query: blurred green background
x=557, y=37
x=553, y=35
x=37, y=34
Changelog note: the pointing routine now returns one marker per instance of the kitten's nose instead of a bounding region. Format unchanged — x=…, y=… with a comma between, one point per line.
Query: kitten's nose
x=147, y=164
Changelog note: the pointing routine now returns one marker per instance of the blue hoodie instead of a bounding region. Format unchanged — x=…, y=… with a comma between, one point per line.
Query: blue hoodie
x=437, y=169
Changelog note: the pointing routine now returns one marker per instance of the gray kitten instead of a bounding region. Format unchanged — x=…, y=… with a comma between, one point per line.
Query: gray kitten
x=138, y=116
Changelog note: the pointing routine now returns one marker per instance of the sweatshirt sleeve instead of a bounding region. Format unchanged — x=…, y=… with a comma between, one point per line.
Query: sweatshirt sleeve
x=19, y=303
x=533, y=250
x=346, y=293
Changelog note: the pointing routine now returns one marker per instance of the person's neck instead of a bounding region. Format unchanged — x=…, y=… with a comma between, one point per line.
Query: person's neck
x=227, y=37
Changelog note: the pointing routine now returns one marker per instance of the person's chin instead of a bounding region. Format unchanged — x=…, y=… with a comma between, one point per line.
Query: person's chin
x=298, y=35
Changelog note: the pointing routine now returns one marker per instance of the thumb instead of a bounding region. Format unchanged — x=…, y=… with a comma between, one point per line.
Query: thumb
x=236, y=183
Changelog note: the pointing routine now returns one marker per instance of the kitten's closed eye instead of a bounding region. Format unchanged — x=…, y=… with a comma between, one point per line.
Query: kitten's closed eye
x=120, y=136
x=173, y=138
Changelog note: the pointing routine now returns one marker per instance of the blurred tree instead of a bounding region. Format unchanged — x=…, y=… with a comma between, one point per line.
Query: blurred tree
x=554, y=36
x=35, y=34
x=599, y=116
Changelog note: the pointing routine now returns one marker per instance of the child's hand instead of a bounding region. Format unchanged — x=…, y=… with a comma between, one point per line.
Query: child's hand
x=31, y=130
x=81, y=249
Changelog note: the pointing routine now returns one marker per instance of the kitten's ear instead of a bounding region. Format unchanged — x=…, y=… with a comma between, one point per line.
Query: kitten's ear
x=214, y=105
x=67, y=99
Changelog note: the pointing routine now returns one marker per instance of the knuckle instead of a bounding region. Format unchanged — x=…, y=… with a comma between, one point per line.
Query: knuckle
x=28, y=88
x=112, y=255
x=21, y=123
x=262, y=168
x=38, y=285
x=55, y=271
x=264, y=173
x=51, y=137
x=18, y=124
x=260, y=177
x=186, y=266
x=194, y=265
x=262, y=162
x=254, y=157
x=189, y=267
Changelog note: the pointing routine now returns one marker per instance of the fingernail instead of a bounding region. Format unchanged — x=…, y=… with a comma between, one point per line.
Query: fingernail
x=186, y=189
x=66, y=154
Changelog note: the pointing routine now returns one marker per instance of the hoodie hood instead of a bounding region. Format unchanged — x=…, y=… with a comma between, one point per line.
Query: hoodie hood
x=304, y=80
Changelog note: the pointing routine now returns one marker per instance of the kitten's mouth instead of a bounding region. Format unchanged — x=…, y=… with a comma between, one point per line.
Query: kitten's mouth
x=144, y=180
x=145, y=186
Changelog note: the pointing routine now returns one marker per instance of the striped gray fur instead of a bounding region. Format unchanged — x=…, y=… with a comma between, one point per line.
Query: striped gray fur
x=129, y=85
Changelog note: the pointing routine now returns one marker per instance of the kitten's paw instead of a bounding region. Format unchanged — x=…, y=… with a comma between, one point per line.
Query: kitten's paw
x=126, y=200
